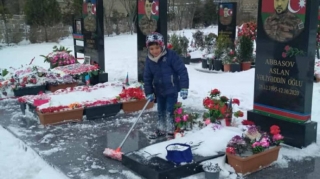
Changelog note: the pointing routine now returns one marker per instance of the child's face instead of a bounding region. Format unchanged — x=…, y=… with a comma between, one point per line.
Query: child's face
x=155, y=50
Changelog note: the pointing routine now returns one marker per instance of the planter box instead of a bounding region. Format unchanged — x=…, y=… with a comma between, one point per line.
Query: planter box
x=102, y=111
x=61, y=117
x=254, y=162
x=32, y=90
x=133, y=106
x=53, y=88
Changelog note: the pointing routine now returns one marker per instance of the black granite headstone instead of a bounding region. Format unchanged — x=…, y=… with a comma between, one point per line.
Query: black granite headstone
x=151, y=17
x=77, y=36
x=227, y=19
x=93, y=31
x=284, y=67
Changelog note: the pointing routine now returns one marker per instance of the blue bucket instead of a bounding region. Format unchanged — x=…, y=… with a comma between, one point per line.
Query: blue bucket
x=179, y=156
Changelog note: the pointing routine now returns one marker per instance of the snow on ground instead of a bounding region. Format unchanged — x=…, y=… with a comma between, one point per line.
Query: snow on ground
x=121, y=58
x=19, y=161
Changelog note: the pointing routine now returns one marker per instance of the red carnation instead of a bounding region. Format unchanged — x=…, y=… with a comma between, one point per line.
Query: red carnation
x=230, y=150
x=247, y=123
x=215, y=92
x=275, y=130
x=236, y=101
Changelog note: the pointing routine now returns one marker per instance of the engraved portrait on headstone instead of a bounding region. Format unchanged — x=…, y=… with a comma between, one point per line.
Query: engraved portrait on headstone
x=283, y=19
x=225, y=13
x=90, y=19
x=148, y=14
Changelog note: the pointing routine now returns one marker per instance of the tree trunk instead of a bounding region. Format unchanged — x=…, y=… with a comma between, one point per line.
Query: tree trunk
x=6, y=30
x=45, y=33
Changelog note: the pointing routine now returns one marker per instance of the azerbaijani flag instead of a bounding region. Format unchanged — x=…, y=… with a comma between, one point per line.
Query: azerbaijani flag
x=127, y=80
x=297, y=7
x=85, y=7
x=154, y=11
x=225, y=5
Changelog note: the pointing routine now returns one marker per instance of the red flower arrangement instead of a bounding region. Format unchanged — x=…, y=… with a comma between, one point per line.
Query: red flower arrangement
x=249, y=30
x=100, y=102
x=219, y=107
x=253, y=140
x=130, y=94
x=247, y=123
x=53, y=109
x=77, y=69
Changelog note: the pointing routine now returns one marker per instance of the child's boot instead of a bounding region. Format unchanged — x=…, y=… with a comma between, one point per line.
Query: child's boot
x=170, y=126
x=161, y=128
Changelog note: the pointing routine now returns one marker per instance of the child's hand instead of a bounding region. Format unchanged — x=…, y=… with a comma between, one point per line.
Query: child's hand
x=184, y=93
x=150, y=97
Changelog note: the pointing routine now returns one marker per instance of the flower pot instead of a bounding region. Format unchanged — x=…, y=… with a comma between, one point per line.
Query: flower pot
x=235, y=67
x=205, y=63
x=217, y=65
x=95, y=112
x=254, y=162
x=103, y=77
x=55, y=87
x=74, y=115
x=188, y=126
x=188, y=59
x=31, y=90
x=211, y=64
x=226, y=67
x=317, y=78
x=211, y=174
x=133, y=106
x=245, y=66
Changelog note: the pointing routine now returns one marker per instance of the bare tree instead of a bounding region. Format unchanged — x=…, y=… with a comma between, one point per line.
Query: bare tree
x=108, y=13
x=130, y=6
x=193, y=5
x=5, y=14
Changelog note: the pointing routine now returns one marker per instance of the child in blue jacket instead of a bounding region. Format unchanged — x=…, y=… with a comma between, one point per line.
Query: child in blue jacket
x=165, y=75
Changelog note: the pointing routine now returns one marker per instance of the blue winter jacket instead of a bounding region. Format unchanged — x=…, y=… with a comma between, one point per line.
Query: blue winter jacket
x=169, y=75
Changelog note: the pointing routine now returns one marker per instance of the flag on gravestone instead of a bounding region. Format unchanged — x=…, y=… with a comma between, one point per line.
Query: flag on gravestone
x=297, y=7
x=92, y=8
x=226, y=10
x=154, y=9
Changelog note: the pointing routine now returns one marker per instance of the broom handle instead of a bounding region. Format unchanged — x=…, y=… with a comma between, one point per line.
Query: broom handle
x=145, y=106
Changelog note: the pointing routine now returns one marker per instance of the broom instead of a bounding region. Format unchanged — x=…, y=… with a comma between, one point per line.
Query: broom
x=117, y=154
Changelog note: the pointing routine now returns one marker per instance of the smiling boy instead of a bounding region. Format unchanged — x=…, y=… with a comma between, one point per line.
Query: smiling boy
x=165, y=75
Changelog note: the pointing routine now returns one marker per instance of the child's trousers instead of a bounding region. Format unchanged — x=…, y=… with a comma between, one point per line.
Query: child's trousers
x=165, y=112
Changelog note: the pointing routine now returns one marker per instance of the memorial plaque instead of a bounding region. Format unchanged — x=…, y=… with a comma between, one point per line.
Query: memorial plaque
x=227, y=20
x=93, y=31
x=152, y=17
